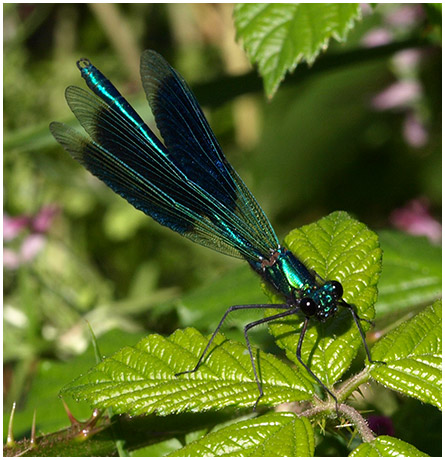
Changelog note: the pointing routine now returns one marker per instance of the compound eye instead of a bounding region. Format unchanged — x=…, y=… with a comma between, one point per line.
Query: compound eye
x=308, y=306
x=337, y=289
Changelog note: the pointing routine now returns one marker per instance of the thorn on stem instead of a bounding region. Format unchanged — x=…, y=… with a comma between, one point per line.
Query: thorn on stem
x=10, y=442
x=86, y=428
x=33, y=429
x=73, y=420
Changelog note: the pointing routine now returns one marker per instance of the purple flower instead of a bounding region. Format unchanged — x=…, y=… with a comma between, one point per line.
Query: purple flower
x=43, y=220
x=380, y=424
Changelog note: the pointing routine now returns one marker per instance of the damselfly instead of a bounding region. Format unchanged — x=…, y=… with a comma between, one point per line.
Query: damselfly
x=187, y=184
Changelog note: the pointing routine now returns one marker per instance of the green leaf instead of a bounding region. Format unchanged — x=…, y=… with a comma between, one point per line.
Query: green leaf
x=279, y=36
x=386, y=446
x=141, y=379
x=340, y=248
x=412, y=272
x=160, y=449
x=413, y=356
x=271, y=435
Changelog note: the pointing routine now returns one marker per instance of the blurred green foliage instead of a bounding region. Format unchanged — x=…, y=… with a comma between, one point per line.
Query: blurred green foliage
x=320, y=145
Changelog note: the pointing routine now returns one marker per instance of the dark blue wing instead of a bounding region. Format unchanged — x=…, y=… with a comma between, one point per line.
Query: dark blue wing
x=193, y=147
x=125, y=154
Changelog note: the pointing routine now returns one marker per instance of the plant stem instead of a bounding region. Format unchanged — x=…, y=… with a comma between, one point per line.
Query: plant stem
x=349, y=412
x=350, y=385
x=359, y=422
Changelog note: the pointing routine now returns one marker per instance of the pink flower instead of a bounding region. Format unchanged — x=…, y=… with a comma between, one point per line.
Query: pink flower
x=12, y=226
x=405, y=16
x=33, y=228
x=399, y=94
x=414, y=218
x=377, y=37
x=407, y=60
x=11, y=259
x=414, y=131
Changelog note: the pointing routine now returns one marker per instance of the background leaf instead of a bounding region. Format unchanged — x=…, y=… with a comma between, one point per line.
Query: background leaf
x=341, y=248
x=141, y=379
x=204, y=307
x=386, y=446
x=412, y=272
x=49, y=376
x=413, y=356
x=278, y=36
x=271, y=435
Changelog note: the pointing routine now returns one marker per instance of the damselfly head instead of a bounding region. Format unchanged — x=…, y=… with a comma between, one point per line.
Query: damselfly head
x=322, y=301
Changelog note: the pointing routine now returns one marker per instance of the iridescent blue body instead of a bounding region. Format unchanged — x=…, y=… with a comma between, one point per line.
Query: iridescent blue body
x=186, y=183
x=288, y=275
